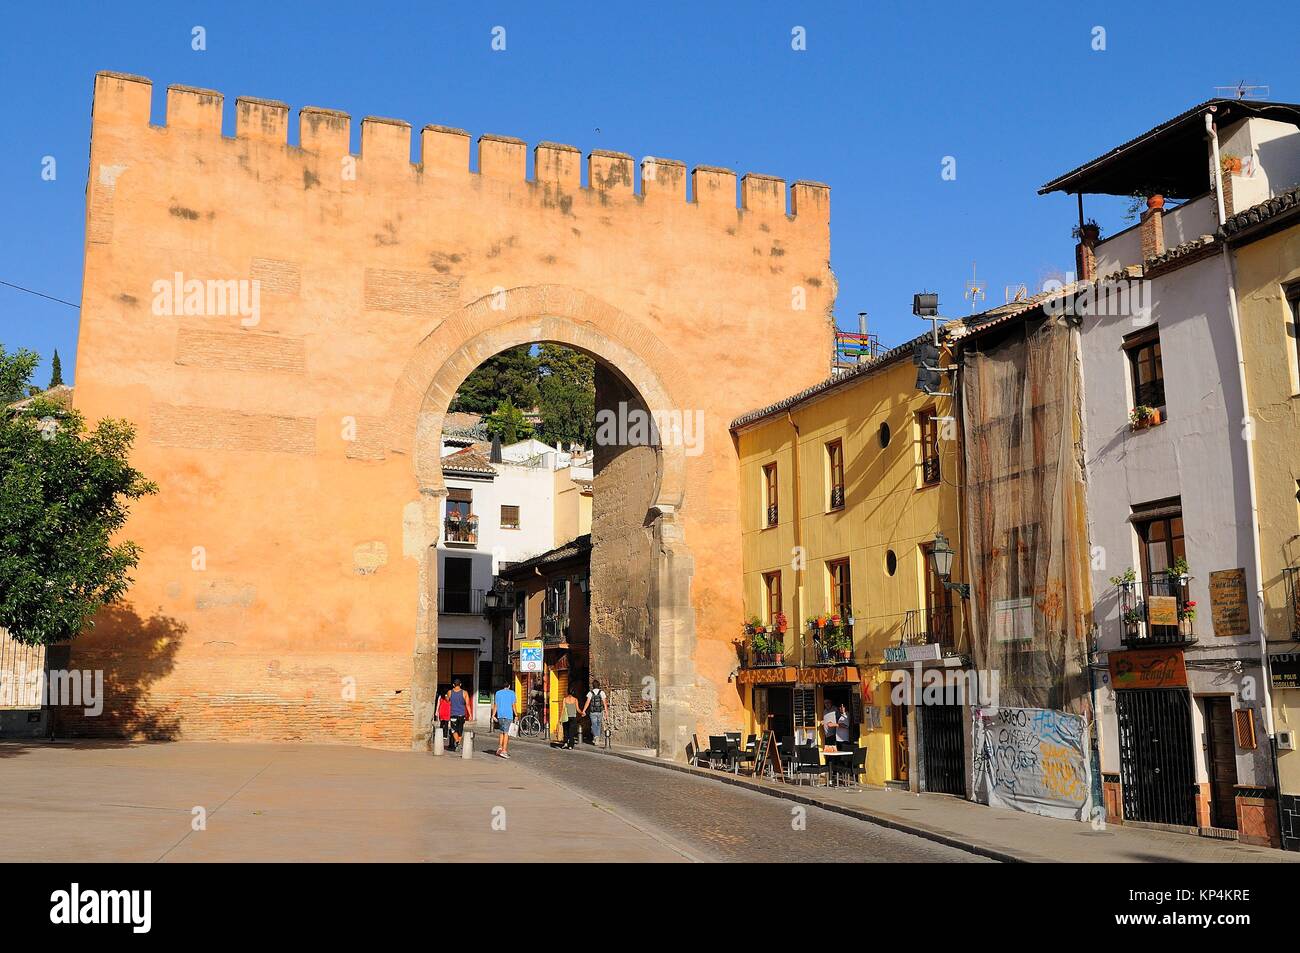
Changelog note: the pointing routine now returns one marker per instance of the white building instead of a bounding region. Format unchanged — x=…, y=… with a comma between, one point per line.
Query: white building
x=496, y=512
x=1182, y=699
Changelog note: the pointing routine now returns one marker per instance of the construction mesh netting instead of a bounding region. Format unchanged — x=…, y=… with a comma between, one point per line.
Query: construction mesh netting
x=1026, y=532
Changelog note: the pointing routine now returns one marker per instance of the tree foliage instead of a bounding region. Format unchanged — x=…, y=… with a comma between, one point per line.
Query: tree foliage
x=510, y=375
x=558, y=380
x=56, y=371
x=16, y=371
x=568, y=395
x=64, y=493
x=508, y=422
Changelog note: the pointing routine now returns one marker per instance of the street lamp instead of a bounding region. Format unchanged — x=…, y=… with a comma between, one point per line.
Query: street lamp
x=491, y=599
x=941, y=555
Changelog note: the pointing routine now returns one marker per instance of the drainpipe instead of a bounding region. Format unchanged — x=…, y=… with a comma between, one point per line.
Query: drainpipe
x=801, y=561
x=1230, y=274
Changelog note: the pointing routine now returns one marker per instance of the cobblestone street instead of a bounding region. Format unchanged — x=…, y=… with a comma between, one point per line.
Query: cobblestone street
x=717, y=822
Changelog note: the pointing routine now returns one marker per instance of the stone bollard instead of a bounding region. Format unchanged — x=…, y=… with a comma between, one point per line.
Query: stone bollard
x=467, y=745
x=438, y=740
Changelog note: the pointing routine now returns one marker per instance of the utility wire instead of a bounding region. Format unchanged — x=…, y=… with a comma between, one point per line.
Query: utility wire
x=38, y=294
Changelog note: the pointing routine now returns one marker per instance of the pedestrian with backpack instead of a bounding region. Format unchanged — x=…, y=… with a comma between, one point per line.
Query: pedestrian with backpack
x=594, y=708
x=459, y=711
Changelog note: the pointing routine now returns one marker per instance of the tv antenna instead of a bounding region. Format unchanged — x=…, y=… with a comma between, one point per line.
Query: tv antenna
x=1242, y=91
x=974, y=289
x=1012, y=293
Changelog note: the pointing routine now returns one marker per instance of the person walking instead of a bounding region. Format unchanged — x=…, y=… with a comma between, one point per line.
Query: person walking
x=459, y=699
x=570, y=719
x=594, y=708
x=503, y=710
x=444, y=716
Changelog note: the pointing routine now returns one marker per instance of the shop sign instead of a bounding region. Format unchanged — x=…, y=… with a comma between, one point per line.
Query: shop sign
x=913, y=653
x=1285, y=670
x=1228, y=602
x=1162, y=610
x=1148, y=668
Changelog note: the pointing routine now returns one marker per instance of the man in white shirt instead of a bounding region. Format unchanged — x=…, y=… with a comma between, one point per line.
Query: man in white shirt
x=594, y=708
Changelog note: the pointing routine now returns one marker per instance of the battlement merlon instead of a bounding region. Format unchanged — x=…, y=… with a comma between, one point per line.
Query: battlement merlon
x=124, y=101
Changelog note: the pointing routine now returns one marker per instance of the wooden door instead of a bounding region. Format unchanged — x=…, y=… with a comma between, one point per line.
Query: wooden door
x=898, y=734
x=1221, y=762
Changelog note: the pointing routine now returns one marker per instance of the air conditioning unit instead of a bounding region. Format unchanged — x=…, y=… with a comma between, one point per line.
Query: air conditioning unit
x=1286, y=740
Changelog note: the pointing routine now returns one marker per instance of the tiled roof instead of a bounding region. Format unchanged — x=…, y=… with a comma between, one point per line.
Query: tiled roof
x=979, y=323
x=1168, y=158
x=1265, y=211
x=570, y=550
x=469, y=460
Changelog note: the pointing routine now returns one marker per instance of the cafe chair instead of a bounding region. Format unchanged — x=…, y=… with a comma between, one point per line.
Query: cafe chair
x=809, y=762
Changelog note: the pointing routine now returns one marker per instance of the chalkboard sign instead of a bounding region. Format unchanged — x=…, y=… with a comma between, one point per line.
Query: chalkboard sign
x=767, y=756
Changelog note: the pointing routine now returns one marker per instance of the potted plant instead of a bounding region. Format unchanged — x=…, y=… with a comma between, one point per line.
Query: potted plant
x=1089, y=231
x=843, y=643
x=1134, y=614
x=1143, y=416
x=1155, y=201
x=1126, y=578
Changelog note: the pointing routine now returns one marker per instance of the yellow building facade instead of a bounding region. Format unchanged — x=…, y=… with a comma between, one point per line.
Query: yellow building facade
x=844, y=489
x=1267, y=270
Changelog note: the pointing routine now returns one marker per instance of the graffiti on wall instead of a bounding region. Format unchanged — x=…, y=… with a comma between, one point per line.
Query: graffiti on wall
x=1032, y=759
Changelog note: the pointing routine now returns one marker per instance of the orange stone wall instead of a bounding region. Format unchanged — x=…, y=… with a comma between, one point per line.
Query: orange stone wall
x=285, y=584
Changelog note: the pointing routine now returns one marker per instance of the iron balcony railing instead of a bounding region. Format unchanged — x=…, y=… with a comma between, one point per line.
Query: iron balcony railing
x=555, y=629
x=1157, y=612
x=919, y=629
x=837, y=497
x=772, y=515
x=460, y=601
x=462, y=531
x=1292, y=576
x=750, y=658
x=816, y=647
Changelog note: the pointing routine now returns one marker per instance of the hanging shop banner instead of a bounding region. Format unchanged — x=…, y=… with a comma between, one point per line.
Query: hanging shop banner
x=1229, y=606
x=1032, y=760
x=1148, y=668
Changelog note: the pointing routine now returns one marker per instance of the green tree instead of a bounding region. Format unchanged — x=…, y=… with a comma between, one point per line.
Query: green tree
x=509, y=375
x=568, y=395
x=64, y=493
x=16, y=371
x=508, y=422
x=56, y=372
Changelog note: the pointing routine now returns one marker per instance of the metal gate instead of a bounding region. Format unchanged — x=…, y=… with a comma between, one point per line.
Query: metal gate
x=943, y=749
x=1155, y=755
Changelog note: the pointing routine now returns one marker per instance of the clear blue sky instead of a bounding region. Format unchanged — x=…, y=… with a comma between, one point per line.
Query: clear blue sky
x=1013, y=91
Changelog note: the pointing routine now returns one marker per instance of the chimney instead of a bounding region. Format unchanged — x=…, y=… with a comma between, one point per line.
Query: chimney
x=1085, y=255
x=1152, y=230
x=495, y=456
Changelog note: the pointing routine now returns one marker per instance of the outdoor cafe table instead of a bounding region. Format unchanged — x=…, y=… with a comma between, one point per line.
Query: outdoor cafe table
x=840, y=762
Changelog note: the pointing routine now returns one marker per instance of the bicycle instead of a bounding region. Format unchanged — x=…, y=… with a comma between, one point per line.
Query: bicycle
x=531, y=726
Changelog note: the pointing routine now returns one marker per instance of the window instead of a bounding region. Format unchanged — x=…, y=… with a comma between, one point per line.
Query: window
x=928, y=424
x=884, y=436
x=772, y=589
x=841, y=588
x=1293, y=299
x=461, y=525
x=771, y=513
x=891, y=562
x=1022, y=547
x=835, y=466
x=509, y=517
x=1160, y=534
x=1148, y=375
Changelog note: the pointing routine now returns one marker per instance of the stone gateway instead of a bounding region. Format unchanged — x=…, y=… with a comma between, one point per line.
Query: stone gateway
x=287, y=587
